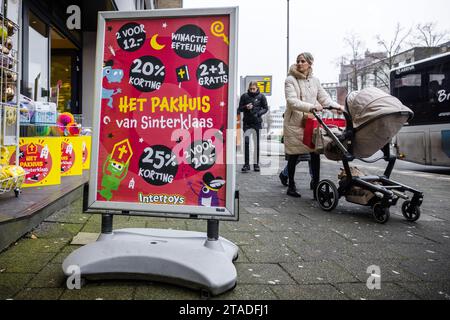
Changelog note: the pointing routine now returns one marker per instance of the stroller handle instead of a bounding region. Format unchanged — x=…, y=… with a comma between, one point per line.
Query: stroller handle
x=336, y=140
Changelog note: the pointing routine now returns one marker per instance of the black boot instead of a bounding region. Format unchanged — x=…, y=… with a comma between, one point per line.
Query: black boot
x=245, y=168
x=256, y=168
x=292, y=191
x=283, y=179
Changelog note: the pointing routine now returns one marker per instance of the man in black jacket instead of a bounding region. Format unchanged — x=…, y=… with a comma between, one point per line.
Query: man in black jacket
x=254, y=105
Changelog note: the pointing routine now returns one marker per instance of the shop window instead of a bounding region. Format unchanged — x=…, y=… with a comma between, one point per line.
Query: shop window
x=64, y=73
x=37, y=86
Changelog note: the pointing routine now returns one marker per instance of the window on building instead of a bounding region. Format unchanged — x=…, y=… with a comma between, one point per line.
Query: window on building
x=64, y=72
x=37, y=87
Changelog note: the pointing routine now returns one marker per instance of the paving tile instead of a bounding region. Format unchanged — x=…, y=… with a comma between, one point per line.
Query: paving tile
x=269, y=253
x=391, y=269
x=262, y=274
x=418, y=251
x=428, y=269
x=388, y=291
x=428, y=290
x=59, y=258
x=158, y=291
x=12, y=283
x=308, y=292
x=249, y=292
x=47, y=230
x=28, y=247
x=51, y=276
x=318, y=272
x=100, y=291
x=240, y=238
x=40, y=294
x=84, y=238
x=25, y=263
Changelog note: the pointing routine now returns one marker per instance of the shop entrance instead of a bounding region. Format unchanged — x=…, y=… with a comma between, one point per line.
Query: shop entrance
x=64, y=75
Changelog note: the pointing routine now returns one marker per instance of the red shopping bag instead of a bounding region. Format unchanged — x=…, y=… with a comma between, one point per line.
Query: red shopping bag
x=312, y=123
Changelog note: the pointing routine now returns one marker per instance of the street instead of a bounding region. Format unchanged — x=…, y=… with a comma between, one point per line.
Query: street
x=288, y=248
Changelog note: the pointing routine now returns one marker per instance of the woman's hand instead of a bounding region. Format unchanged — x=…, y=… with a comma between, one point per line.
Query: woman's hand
x=340, y=109
x=317, y=108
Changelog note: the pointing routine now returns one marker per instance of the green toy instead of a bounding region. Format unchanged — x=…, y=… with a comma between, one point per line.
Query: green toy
x=111, y=181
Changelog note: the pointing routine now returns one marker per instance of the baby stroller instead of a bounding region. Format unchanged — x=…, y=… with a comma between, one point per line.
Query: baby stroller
x=373, y=118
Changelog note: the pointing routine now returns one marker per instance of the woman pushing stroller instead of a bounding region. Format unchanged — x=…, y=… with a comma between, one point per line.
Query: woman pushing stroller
x=304, y=94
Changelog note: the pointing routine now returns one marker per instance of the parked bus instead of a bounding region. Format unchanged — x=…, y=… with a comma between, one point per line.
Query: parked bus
x=424, y=86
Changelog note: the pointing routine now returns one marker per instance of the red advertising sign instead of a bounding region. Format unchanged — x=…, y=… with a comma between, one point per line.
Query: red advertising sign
x=167, y=97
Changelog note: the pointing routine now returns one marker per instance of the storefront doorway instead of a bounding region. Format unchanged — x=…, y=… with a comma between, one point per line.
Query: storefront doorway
x=64, y=75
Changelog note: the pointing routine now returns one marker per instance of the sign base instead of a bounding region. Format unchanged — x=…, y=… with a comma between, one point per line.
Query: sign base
x=183, y=258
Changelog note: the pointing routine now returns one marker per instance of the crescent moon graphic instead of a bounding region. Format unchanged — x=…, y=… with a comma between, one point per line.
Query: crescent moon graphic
x=154, y=43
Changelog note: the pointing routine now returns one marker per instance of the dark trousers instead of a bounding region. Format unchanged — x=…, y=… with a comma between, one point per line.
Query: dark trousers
x=254, y=134
x=314, y=166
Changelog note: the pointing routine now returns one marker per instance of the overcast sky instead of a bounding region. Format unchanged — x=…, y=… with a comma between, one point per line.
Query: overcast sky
x=317, y=26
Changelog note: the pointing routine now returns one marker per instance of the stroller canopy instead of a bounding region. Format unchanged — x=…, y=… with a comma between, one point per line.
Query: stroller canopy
x=372, y=103
x=376, y=117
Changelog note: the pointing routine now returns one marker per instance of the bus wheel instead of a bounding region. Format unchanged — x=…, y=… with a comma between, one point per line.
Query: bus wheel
x=410, y=212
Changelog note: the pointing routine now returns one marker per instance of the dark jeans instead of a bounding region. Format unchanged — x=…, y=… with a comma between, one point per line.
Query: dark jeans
x=314, y=167
x=254, y=133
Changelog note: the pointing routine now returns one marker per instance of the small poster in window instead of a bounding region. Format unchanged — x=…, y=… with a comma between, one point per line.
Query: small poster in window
x=12, y=10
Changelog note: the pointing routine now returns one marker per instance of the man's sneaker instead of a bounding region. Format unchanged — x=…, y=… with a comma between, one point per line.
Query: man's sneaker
x=256, y=168
x=245, y=168
x=283, y=179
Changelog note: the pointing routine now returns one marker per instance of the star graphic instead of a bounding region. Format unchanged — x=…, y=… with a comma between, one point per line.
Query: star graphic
x=164, y=25
x=222, y=104
x=141, y=140
x=110, y=136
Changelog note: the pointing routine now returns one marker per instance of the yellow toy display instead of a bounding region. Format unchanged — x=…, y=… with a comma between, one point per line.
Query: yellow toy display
x=4, y=182
x=9, y=171
x=10, y=115
x=13, y=171
x=4, y=156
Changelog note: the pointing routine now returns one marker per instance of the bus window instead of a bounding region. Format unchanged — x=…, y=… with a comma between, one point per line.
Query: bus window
x=434, y=86
x=408, y=88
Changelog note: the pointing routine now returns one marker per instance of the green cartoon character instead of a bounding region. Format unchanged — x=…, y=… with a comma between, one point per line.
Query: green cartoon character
x=113, y=174
x=115, y=169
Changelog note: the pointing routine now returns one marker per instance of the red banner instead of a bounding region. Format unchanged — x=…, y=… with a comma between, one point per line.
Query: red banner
x=164, y=111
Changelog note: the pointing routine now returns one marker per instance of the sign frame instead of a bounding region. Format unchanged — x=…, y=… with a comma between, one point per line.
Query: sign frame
x=231, y=209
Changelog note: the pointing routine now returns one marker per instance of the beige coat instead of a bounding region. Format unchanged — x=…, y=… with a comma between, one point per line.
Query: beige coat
x=302, y=94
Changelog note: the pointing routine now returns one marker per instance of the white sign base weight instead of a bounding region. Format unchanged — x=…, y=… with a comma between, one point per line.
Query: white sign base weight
x=183, y=258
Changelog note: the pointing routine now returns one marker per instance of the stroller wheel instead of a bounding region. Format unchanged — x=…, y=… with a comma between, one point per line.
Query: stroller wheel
x=327, y=195
x=411, y=213
x=380, y=213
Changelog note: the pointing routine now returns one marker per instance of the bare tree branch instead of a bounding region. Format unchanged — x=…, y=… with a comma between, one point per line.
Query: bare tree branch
x=428, y=35
x=353, y=41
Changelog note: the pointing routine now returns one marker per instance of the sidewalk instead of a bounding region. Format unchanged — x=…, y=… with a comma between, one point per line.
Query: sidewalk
x=288, y=248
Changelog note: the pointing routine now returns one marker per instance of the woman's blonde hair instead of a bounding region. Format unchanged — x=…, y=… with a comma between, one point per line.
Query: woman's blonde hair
x=308, y=57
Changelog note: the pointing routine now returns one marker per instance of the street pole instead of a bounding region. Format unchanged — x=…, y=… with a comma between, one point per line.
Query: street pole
x=287, y=59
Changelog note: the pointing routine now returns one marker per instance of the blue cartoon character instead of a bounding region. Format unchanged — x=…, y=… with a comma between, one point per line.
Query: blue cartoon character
x=112, y=76
x=208, y=196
